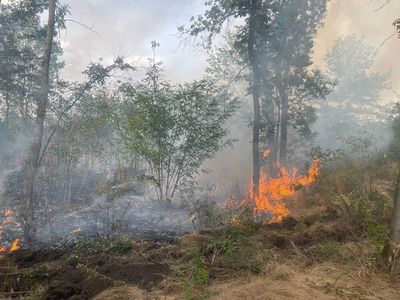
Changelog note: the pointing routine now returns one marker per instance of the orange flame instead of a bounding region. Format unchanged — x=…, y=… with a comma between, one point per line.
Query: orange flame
x=76, y=230
x=272, y=192
x=8, y=213
x=15, y=246
x=265, y=153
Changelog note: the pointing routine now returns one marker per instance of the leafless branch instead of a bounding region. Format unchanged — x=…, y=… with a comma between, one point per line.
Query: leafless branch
x=388, y=38
x=84, y=25
x=382, y=6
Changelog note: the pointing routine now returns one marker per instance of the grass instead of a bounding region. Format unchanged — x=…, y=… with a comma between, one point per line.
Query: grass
x=118, y=246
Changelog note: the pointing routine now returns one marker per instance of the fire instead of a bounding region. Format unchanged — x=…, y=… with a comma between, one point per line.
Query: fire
x=76, y=230
x=265, y=153
x=9, y=215
x=15, y=245
x=272, y=191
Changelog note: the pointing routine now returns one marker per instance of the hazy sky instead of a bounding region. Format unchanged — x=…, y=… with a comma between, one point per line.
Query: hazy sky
x=126, y=27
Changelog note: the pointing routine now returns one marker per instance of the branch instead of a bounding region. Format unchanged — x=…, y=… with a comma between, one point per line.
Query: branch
x=87, y=27
x=382, y=6
x=388, y=38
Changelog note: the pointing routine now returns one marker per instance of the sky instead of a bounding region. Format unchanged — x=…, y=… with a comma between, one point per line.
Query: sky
x=127, y=27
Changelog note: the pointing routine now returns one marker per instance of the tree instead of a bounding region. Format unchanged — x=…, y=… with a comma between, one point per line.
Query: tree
x=291, y=39
x=174, y=128
x=274, y=44
x=391, y=250
x=256, y=15
x=397, y=25
x=354, y=103
x=32, y=164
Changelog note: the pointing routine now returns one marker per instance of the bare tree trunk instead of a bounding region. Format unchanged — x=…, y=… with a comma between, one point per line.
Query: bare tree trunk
x=271, y=132
x=7, y=117
x=284, y=119
x=35, y=150
x=255, y=8
x=391, y=250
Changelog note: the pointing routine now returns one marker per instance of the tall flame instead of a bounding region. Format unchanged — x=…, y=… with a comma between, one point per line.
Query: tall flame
x=272, y=191
x=15, y=245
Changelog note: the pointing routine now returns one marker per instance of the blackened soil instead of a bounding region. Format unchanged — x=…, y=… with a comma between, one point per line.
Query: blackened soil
x=69, y=274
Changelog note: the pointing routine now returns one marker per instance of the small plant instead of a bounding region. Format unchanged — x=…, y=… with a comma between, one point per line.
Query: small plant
x=234, y=246
x=194, y=277
x=37, y=273
x=225, y=247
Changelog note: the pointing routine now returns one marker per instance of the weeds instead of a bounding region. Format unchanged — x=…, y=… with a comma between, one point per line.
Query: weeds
x=327, y=249
x=118, y=247
x=194, y=277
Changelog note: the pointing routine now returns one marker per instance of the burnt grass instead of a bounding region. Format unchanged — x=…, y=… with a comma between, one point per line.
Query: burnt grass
x=84, y=270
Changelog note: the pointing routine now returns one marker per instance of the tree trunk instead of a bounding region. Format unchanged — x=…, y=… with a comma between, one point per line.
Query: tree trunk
x=391, y=251
x=36, y=147
x=270, y=131
x=284, y=120
x=254, y=63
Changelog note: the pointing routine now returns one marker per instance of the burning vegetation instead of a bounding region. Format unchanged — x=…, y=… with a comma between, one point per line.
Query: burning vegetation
x=128, y=183
x=272, y=192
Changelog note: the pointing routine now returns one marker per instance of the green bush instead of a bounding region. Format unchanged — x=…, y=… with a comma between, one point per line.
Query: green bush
x=194, y=277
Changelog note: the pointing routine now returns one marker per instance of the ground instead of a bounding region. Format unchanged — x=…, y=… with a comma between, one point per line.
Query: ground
x=312, y=254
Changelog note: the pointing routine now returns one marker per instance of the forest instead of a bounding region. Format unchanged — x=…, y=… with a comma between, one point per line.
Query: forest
x=199, y=149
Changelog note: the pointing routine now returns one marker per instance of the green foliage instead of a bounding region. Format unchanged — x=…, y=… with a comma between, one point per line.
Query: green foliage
x=366, y=211
x=225, y=247
x=349, y=189
x=175, y=128
x=37, y=273
x=236, y=246
x=194, y=277
x=326, y=156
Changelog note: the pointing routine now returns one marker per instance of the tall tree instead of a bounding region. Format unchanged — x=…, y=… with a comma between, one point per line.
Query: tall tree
x=32, y=165
x=275, y=46
x=256, y=15
x=354, y=103
x=391, y=251
x=253, y=54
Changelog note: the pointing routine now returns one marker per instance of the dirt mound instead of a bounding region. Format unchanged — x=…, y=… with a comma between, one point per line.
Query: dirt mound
x=194, y=241
x=25, y=258
x=337, y=230
x=145, y=275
